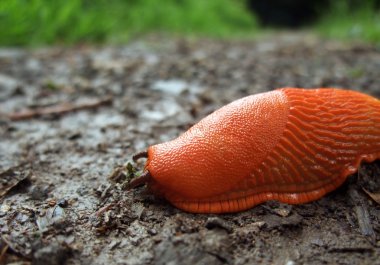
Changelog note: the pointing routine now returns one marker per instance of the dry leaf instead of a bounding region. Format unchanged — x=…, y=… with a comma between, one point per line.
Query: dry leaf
x=374, y=195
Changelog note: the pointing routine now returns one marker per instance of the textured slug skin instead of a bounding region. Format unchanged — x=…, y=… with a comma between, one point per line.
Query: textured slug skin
x=291, y=145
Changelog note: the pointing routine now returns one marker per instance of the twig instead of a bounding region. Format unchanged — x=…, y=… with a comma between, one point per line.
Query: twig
x=361, y=212
x=2, y=253
x=57, y=109
x=104, y=209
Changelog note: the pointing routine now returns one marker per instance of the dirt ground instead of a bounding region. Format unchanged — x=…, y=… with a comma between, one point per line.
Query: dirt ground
x=87, y=110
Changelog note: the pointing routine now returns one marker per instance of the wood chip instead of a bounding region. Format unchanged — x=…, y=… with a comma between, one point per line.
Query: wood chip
x=57, y=109
x=11, y=178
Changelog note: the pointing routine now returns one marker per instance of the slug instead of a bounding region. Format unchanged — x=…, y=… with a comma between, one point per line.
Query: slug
x=291, y=145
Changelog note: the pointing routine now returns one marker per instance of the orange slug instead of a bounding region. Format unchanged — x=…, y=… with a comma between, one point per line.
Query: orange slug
x=291, y=145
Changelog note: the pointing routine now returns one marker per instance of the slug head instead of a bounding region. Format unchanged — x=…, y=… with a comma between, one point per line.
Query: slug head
x=214, y=156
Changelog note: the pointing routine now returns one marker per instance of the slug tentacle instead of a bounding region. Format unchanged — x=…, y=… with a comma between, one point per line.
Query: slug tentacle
x=143, y=154
x=140, y=180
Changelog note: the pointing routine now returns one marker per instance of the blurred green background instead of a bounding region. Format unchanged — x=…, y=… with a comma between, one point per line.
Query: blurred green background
x=45, y=22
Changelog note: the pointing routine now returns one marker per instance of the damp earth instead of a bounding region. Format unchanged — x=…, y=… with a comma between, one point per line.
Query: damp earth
x=72, y=118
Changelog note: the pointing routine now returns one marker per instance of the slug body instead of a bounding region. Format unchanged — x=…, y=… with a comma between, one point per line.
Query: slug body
x=291, y=145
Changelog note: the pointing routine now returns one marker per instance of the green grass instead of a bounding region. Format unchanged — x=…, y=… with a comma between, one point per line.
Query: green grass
x=45, y=22
x=342, y=22
x=41, y=22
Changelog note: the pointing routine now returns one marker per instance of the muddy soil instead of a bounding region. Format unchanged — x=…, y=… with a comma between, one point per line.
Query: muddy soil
x=87, y=110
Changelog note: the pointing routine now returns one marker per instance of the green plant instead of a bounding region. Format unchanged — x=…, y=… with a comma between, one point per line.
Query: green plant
x=346, y=21
x=35, y=22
